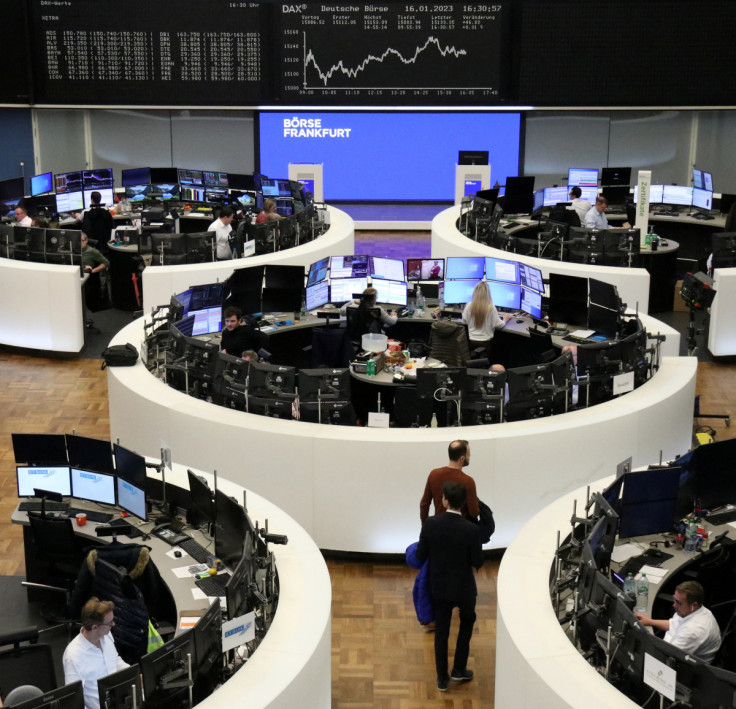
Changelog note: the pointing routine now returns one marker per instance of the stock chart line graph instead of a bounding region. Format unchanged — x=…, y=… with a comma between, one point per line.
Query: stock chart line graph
x=353, y=73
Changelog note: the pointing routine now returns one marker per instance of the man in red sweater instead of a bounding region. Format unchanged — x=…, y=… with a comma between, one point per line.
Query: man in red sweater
x=459, y=454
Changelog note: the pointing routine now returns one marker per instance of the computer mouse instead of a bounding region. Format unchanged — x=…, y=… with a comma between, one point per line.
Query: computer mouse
x=177, y=554
x=519, y=320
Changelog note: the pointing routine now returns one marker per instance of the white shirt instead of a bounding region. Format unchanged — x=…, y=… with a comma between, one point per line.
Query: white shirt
x=386, y=319
x=222, y=233
x=697, y=634
x=582, y=207
x=26, y=221
x=595, y=219
x=84, y=661
x=492, y=322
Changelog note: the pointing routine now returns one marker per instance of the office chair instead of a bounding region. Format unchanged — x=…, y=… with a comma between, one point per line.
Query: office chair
x=331, y=347
x=357, y=326
x=448, y=342
x=56, y=544
x=542, y=349
x=30, y=663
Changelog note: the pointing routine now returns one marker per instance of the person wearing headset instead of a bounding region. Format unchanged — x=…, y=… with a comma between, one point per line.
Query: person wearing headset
x=692, y=628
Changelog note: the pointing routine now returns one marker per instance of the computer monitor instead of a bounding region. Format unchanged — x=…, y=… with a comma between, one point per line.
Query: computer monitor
x=648, y=502
x=472, y=157
x=67, y=202
x=531, y=277
x=238, y=181
x=679, y=195
x=68, y=182
x=709, y=475
x=269, y=187
x=391, y=292
x=272, y=379
x=616, y=194
x=165, y=670
x=39, y=448
x=531, y=302
x=444, y=382
x=130, y=466
x=708, y=181
x=604, y=294
x=615, y=176
x=519, y=195
x=204, y=322
x=349, y=267
x=317, y=295
x=506, y=296
x=135, y=176
x=122, y=689
x=52, y=478
x=41, y=184
x=271, y=407
x=231, y=528
x=131, y=498
x=457, y=292
x=483, y=384
x=282, y=300
x=502, y=270
x=331, y=412
x=702, y=199
x=207, y=634
x=698, y=179
x=530, y=392
x=12, y=189
x=419, y=269
x=603, y=321
x=582, y=177
x=318, y=271
x=215, y=179
x=237, y=589
x=98, y=179
x=568, y=299
x=291, y=277
x=465, y=267
x=550, y=196
x=69, y=696
x=107, y=196
x=325, y=383
x=191, y=178
x=93, y=486
x=202, y=509
x=391, y=269
x=90, y=453
x=343, y=289
x=216, y=195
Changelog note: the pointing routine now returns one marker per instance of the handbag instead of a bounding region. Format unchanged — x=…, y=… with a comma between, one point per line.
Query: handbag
x=119, y=356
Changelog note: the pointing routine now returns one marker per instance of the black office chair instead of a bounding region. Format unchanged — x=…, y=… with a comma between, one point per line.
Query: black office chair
x=542, y=349
x=331, y=347
x=357, y=325
x=25, y=661
x=448, y=342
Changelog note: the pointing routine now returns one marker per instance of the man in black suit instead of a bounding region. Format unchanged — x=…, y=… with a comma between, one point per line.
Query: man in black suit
x=452, y=545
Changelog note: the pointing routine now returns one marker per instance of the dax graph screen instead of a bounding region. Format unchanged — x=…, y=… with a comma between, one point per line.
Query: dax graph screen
x=455, y=53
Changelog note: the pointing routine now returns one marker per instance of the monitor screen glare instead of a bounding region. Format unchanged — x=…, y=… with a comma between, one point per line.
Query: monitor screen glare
x=500, y=270
x=40, y=184
x=459, y=292
x=505, y=295
x=702, y=199
x=343, y=289
x=390, y=269
x=131, y=498
x=52, y=478
x=96, y=487
x=465, y=267
x=582, y=177
x=391, y=292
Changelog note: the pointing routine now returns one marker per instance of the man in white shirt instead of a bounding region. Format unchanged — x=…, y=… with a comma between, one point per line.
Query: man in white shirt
x=692, y=628
x=92, y=654
x=21, y=217
x=581, y=206
x=221, y=227
x=595, y=217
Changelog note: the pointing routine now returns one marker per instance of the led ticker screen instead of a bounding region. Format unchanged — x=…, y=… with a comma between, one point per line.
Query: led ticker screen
x=385, y=156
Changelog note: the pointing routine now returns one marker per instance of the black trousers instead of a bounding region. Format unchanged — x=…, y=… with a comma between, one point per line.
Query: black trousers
x=442, y=620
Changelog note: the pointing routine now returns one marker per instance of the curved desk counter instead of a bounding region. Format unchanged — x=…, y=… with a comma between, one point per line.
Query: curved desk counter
x=722, y=327
x=447, y=240
x=41, y=306
x=358, y=489
x=292, y=664
x=161, y=282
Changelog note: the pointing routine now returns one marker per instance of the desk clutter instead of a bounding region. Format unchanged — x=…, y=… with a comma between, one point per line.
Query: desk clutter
x=646, y=532
x=239, y=573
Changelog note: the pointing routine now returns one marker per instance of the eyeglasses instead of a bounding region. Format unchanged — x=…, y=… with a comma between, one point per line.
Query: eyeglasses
x=110, y=624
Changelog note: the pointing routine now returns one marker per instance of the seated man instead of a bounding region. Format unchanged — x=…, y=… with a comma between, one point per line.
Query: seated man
x=92, y=654
x=236, y=337
x=692, y=628
x=595, y=217
x=21, y=216
x=93, y=263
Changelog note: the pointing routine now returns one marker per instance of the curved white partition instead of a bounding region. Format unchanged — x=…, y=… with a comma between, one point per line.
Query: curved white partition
x=41, y=306
x=722, y=328
x=530, y=643
x=161, y=282
x=358, y=489
x=447, y=240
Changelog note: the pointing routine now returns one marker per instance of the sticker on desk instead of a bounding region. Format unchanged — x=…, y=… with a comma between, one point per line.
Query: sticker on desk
x=377, y=420
x=623, y=383
x=659, y=676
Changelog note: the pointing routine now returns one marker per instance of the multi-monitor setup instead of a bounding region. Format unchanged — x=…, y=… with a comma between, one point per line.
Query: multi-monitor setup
x=58, y=246
x=638, y=504
x=82, y=468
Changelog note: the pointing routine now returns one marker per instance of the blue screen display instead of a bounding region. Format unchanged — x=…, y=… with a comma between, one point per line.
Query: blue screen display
x=40, y=184
x=465, y=267
x=388, y=156
x=459, y=292
x=505, y=295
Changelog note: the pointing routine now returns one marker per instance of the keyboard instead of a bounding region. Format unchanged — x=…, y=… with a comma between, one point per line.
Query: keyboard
x=723, y=517
x=92, y=516
x=195, y=550
x=213, y=585
x=35, y=506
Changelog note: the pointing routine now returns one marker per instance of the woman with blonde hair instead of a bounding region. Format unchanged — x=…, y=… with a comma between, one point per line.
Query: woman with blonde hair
x=482, y=318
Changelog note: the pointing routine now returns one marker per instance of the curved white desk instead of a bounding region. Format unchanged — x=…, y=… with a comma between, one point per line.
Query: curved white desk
x=632, y=283
x=161, y=282
x=531, y=646
x=722, y=327
x=41, y=306
x=358, y=489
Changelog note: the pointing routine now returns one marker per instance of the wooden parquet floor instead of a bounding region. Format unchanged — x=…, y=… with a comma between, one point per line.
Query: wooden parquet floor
x=381, y=657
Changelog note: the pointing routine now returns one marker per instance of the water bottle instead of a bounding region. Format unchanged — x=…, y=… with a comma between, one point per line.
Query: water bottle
x=691, y=538
x=629, y=586
x=642, y=594
x=441, y=303
x=433, y=423
x=419, y=300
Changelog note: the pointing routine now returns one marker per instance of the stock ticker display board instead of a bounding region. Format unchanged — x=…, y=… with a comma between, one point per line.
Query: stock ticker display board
x=393, y=53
